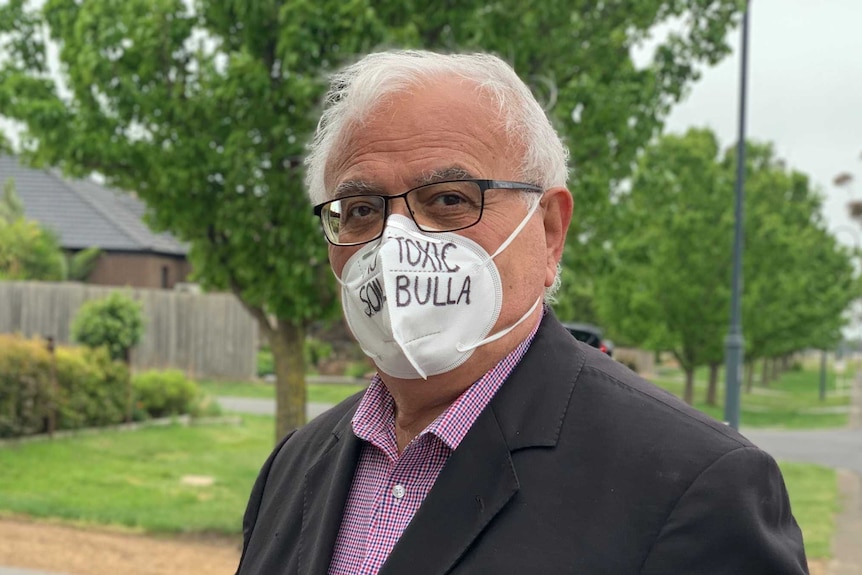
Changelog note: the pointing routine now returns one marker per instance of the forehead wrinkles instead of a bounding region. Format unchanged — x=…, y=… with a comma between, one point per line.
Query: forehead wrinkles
x=441, y=127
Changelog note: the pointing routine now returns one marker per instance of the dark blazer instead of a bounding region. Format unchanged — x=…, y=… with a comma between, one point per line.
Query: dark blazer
x=576, y=466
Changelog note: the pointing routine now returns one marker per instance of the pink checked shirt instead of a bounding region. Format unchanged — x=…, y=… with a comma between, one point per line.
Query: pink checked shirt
x=388, y=489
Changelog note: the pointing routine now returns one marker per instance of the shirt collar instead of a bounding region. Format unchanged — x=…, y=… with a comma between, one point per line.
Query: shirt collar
x=374, y=420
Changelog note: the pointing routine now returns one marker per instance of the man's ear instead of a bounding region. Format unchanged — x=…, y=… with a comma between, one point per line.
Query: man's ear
x=557, y=205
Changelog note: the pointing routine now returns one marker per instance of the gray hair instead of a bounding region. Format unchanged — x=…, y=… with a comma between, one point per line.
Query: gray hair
x=354, y=92
x=357, y=89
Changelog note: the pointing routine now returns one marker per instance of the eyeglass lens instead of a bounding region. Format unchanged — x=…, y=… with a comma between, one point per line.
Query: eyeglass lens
x=445, y=206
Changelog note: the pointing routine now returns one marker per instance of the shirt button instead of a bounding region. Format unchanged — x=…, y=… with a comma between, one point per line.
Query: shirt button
x=398, y=491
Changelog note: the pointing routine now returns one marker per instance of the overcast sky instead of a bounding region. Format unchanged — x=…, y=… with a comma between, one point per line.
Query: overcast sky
x=805, y=94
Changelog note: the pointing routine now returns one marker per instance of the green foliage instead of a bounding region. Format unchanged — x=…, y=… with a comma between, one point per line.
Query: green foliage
x=798, y=278
x=81, y=264
x=90, y=388
x=27, y=251
x=357, y=369
x=11, y=208
x=316, y=351
x=204, y=112
x=162, y=393
x=25, y=386
x=115, y=322
x=265, y=364
x=666, y=286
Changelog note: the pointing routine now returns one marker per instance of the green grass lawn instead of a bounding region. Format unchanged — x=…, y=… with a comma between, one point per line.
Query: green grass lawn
x=317, y=392
x=791, y=402
x=134, y=479
x=814, y=498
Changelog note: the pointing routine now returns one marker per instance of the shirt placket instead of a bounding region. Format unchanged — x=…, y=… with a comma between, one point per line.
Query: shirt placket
x=395, y=505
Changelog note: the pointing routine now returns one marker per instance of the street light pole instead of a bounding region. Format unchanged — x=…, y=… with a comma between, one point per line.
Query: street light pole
x=734, y=344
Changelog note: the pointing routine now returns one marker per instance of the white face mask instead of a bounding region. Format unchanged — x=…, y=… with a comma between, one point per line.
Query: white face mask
x=420, y=304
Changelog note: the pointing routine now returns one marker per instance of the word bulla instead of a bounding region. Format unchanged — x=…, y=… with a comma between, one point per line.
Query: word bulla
x=423, y=290
x=439, y=288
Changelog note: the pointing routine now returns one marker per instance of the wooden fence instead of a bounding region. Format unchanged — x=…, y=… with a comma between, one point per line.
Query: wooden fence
x=205, y=335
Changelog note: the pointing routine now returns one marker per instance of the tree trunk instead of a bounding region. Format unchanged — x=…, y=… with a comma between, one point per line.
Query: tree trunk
x=712, y=390
x=287, y=344
x=749, y=375
x=776, y=371
x=764, y=374
x=688, y=393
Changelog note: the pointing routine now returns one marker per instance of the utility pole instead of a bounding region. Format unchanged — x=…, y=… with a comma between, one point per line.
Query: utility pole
x=734, y=344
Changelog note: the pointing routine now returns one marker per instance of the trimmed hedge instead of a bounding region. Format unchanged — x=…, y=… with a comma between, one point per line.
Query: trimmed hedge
x=90, y=387
x=163, y=393
x=25, y=386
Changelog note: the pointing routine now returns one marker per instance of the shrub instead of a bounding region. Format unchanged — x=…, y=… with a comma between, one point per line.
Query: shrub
x=316, y=351
x=25, y=385
x=168, y=392
x=357, y=369
x=92, y=388
x=265, y=363
x=115, y=322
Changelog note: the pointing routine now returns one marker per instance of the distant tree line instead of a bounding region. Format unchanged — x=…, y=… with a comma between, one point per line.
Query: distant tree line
x=666, y=282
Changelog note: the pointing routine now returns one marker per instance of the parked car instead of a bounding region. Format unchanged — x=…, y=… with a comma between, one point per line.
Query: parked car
x=590, y=335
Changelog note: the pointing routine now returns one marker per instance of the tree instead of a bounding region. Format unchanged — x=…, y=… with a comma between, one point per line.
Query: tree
x=667, y=287
x=204, y=113
x=798, y=279
x=27, y=251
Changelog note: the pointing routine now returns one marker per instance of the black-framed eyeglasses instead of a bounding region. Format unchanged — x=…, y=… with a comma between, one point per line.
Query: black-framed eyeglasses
x=438, y=207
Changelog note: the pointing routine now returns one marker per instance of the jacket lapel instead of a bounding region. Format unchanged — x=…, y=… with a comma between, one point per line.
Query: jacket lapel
x=480, y=477
x=476, y=483
x=326, y=487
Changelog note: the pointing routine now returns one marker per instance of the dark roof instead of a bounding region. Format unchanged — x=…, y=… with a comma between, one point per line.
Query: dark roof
x=85, y=214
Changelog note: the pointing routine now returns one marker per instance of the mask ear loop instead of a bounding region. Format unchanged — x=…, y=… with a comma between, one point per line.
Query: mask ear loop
x=499, y=334
x=511, y=237
x=463, y=348
x=518, y=229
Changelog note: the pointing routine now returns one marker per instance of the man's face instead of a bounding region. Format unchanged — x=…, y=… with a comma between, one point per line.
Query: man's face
x=447, y=127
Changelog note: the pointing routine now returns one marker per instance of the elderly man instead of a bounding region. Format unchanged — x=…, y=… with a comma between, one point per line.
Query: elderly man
x=491, y=441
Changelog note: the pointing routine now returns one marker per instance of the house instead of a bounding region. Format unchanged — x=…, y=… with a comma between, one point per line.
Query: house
x=85, y=214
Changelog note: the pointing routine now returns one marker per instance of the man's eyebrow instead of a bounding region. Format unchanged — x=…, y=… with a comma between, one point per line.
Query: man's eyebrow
x=443, y=175
x=354, y=187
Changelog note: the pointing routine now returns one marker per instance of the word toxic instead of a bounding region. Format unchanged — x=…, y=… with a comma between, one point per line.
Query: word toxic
x=432, y=282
